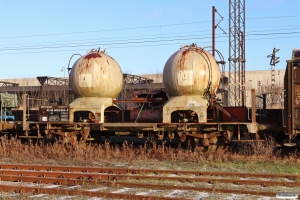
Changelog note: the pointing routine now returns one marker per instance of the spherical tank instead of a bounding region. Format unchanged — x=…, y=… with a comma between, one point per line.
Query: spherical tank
x=191, y=71
x=96, y=75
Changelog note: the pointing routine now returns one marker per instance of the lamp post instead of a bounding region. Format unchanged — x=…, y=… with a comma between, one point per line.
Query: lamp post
x=63, y=70
x=279, y=79
x=248, y=87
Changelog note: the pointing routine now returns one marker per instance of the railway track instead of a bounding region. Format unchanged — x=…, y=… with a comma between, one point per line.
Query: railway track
x=62, y=176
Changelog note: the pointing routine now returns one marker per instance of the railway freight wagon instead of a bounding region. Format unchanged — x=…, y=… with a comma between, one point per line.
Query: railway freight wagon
x=292, y=100
x=186, y=109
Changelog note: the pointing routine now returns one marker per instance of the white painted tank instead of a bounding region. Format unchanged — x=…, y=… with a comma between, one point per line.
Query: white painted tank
x=96, y=75
x=189, y=72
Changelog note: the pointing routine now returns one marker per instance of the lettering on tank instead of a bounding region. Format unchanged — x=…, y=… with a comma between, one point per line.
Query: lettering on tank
x=192, y=103
x=185, y=77
x=85, y=80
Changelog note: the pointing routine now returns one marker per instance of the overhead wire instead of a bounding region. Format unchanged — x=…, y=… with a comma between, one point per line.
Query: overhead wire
x=141, y=27
x=134, y=37
x=132, y=46
x=127, y=37
x=136, y=41
x=113, y=39
x=158, y=38
x=106, y=30
x=105, y=44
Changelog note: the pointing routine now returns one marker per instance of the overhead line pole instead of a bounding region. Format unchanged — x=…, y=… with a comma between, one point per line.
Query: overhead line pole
x=213, y=30
x=214, y=27
x=236, y=52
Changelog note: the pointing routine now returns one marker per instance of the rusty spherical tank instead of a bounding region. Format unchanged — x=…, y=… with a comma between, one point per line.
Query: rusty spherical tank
x=191, y=71
x=96, y=75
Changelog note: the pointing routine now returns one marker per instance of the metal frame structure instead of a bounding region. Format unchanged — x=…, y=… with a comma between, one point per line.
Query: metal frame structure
x=213, y=30
x=274, y=60
x=214, y=27
x=8, y=84
x=236, y=52
x=46, y=80
x=133, y=79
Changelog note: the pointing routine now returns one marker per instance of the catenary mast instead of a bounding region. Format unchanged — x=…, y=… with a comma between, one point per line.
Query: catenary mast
x=236, y=52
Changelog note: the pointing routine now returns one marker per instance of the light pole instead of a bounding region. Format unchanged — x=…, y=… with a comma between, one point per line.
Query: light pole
x=279, y=79
x=63, y=70
x=248, y=88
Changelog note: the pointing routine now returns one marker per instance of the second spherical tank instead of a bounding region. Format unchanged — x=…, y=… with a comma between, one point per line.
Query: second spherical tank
x=191, y=71
x=96, y=74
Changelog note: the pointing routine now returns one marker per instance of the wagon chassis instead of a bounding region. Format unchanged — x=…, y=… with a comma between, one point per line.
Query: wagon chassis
x=161, y=130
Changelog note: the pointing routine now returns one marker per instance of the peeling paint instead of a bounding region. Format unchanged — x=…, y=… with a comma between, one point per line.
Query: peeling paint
x=179, y=80
x=96, y=75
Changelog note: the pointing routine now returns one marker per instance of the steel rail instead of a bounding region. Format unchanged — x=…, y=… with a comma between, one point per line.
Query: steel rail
x=60, y=181
x=60, y=191
x=144, y=171
x=7, y=174
x=200, y=189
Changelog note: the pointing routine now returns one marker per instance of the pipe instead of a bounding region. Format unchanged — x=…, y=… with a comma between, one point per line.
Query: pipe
x=28, y=107
x=253, y=105
x=1, y=109
x=24, y=111
x=248, y=113
x=213, y=31
x=5, y=112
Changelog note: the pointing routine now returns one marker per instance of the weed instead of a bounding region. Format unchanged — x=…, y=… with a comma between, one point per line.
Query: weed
x=253, y=157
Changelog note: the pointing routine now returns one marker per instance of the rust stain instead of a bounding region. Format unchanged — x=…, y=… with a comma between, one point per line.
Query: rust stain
x=152, y=115
x=196, y=82
x=92, y=55
x=87, y=59
x=296, y=94
x=182, y=59
x=183, y=91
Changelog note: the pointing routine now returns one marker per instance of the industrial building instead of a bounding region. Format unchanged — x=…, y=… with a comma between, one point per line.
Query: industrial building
x=54, y=88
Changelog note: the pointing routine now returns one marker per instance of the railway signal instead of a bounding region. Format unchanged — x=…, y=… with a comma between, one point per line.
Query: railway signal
x=274, y=60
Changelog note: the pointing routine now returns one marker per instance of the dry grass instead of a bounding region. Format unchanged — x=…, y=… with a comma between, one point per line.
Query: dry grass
x=254, y=157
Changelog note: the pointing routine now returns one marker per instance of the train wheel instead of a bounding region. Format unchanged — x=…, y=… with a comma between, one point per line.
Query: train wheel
x=222, y=146
x=151, y=137
x=211, y=148
x=73, y=140
x=191, y=142
x=182, y=136
x=216, y=145
x=213, y=144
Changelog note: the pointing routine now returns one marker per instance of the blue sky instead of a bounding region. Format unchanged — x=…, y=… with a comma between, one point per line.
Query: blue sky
x=38, y=38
